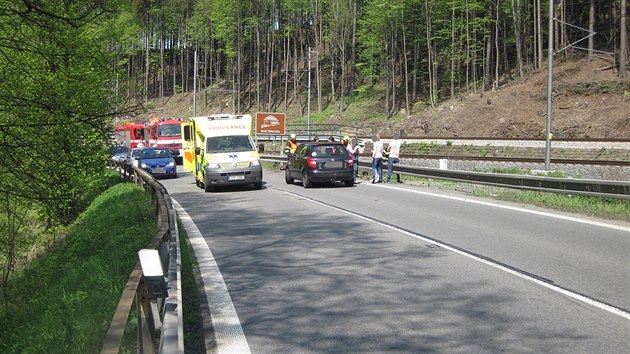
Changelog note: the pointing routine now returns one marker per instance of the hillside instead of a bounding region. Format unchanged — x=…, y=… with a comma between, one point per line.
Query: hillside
x=589, y=101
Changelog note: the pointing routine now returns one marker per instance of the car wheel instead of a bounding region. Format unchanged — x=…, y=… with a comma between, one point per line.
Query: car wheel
x=258, y=185
x=207, y=187
x=349, y=183
x=306, y=182
x=288, y=178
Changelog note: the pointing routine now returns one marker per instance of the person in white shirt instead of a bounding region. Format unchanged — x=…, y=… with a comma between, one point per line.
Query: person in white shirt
x=377, y=156
x=394, y=155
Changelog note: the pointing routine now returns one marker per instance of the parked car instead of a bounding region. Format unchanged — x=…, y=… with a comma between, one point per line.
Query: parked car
x=133, y=156
x=119, y=153
x=320, y=162
x=157, y=161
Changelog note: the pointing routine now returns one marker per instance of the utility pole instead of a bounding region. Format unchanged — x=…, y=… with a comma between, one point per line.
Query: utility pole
x=549, y=89
x=308, y=100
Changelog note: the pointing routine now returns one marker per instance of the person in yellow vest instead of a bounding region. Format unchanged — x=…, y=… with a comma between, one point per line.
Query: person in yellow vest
x=291, y=146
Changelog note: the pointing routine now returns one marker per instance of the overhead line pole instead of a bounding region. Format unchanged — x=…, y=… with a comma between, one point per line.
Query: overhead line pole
x=308, y=108
x=549, y=89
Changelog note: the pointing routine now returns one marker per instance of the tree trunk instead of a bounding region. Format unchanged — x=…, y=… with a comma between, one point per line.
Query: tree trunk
x=287, y=55
x=539, y=34
x=591, y=29
x=517, y=14
x=393, y=69
x=452, y=50
x=467, y=55
x=258, y=67
x=161, y=64
x=270, y=68
x=146, y=68
x=405, y=67
x=623, y=45
x=429, y=52
x=495, y=83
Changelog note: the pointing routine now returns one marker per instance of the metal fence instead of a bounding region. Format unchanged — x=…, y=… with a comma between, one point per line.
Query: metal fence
x=164, y=311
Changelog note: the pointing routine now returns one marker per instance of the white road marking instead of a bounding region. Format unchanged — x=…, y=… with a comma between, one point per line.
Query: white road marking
x=523, y=210
x=576, y=296
x=228, y=332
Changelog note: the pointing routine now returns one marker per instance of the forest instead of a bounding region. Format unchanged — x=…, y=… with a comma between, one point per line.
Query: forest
x=267, y=54
x=69, y=69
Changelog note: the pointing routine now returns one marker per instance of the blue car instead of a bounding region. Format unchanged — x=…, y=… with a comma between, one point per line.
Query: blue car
x=158, y=162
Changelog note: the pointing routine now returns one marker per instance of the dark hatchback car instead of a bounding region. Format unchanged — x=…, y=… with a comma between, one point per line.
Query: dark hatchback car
x=320, y=162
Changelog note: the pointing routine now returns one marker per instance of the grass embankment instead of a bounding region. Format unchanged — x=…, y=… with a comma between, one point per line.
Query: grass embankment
x=63, y=301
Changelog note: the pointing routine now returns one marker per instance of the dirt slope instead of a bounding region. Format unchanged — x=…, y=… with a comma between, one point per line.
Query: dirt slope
x=589, y=101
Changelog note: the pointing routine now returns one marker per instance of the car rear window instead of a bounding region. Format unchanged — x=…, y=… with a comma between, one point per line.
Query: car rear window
x=329, y=150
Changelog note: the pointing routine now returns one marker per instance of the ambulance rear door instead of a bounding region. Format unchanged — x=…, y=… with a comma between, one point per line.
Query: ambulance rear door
x=188, y=146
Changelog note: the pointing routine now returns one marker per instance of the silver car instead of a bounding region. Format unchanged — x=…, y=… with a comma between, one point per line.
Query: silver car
x=133, y=155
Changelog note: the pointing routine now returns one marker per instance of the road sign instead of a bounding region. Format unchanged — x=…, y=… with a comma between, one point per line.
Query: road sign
x=270, y=123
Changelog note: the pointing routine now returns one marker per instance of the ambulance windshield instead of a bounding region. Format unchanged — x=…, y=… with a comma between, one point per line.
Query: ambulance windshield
x=229, y=143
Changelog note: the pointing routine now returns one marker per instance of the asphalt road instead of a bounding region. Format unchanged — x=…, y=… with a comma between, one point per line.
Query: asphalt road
x=389, y=268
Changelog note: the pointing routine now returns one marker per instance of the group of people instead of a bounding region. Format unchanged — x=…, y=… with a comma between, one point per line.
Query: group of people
x=392, y=151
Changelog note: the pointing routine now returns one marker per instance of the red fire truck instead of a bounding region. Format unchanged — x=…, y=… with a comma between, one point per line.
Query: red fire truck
x=167, y=133
x=130, y=135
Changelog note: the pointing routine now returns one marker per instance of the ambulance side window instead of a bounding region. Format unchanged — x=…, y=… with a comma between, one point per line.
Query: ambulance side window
x=187, y=135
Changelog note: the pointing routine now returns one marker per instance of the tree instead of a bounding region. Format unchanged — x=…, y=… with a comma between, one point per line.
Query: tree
x=57, y=102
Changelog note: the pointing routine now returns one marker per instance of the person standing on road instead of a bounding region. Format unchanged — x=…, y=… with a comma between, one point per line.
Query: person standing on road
x=291, y=146
x=353, y=150
x=394, y=155
x=377, y=156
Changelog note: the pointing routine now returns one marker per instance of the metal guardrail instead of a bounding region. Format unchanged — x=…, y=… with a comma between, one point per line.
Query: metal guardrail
x=152, y=313
x=592, y=188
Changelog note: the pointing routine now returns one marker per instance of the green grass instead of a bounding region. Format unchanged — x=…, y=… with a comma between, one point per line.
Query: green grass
x=63, y=302
x=607, y=208
x=194, y=340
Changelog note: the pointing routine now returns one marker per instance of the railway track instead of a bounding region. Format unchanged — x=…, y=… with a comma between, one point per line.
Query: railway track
x=521, y=160
x=565, y=151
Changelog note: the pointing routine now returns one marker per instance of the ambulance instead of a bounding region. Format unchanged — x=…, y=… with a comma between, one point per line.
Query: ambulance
x=220, y=151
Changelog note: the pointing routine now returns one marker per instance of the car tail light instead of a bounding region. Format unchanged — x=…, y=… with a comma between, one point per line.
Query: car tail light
x=311, y=163
x=350, y=162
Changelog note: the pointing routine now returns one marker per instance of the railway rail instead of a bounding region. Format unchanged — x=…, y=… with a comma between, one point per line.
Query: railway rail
x=520, y=160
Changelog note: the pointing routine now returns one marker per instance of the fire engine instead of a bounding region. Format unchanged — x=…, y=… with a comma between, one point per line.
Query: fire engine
x=167, y=133
x=130, y=135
